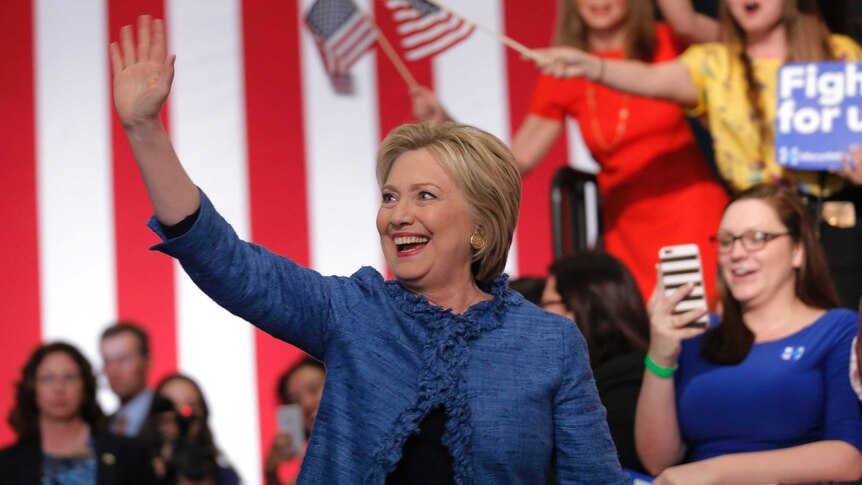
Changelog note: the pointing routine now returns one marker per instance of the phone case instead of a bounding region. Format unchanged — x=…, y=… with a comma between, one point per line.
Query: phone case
x=679, y=265
x=289, y=418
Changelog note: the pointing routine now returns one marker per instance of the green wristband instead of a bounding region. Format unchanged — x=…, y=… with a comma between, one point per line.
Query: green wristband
x=663, y=372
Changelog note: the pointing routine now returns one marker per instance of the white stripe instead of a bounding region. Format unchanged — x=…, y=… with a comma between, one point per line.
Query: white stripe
x=74, y=175
x=345, y=31
x=404, y=14
x=471, y=79
x=350, y=37
x=423, y=22
x=359, y=47
x=208, y=129
x=341, y=135
x=426, y=35
x=439, y=44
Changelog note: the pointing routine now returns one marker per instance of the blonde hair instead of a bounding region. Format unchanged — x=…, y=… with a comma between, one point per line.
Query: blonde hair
x=482, y=167
x=807, y=40
x=639, y=26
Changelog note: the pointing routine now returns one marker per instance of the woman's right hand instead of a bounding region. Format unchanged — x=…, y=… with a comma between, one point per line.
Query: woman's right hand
x=281, y=450
x=426, y=106
x=568, y=62
x=142, y=73
x=667, y=331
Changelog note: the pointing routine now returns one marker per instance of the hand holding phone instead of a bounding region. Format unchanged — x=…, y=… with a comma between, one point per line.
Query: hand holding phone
x=290, y=421
x=680, y=265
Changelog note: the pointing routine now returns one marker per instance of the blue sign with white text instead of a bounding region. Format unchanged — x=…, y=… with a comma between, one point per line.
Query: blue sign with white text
x=818, y=114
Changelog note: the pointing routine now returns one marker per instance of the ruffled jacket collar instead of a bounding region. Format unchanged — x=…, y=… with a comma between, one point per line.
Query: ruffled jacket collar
x=445, y=356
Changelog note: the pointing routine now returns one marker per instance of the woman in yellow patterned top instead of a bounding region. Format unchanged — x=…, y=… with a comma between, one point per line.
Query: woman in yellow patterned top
x=732, y=85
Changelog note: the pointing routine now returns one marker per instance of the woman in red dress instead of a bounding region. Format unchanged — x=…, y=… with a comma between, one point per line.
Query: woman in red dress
x=655, y=186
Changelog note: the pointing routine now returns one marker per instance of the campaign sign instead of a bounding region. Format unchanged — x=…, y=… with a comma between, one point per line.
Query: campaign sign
x=817, y=114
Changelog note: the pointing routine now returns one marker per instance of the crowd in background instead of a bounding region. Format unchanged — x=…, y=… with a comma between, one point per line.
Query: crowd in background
x=762, y=394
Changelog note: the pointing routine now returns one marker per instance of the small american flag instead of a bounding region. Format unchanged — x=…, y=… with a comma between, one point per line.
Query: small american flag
x=425, y=28
x=341, y=32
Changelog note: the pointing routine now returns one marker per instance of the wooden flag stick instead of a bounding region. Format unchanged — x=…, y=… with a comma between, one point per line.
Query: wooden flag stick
x=514, y=44
x=389, y=50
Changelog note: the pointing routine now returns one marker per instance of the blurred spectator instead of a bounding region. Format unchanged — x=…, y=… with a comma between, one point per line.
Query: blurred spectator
x=530, y=287
x=763, y=396
x=125, y=349
x=302, y=384
x=61, y=428
x=599, y=292
x=697, y=22
x=179, y=437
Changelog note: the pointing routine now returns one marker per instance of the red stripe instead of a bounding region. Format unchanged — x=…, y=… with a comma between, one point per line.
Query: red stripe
x=395, y=107
x=451, y=36
x=145, y=279
x=534, y=227
x=19, y=248
x=276, y=158
x=395, y=104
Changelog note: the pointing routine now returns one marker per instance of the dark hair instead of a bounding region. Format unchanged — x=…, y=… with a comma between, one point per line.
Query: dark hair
x=606, y=303
x=530, y=287
x=281, y=391
x=192, y=455
x=639, y=27
x=24, y=417
x=731, y=341
x=133, y=328
x=807, y=40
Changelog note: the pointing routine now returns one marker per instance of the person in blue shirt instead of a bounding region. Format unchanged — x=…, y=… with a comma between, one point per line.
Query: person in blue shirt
x=442, y=375
x=763, y=396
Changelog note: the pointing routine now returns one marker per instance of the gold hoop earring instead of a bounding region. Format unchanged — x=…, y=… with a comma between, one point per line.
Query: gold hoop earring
x=477, y=240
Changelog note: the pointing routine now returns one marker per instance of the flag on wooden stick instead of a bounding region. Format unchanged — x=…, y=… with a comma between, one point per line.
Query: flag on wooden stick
x=342, y=33
x=425, y=28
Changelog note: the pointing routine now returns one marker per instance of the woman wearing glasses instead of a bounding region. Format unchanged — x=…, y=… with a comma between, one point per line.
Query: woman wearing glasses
x=762, y=396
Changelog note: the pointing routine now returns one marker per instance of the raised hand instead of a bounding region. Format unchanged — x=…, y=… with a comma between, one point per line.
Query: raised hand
x=142, y=73
x=852, y=169
x=667, y=331
x=566, y=62
x=280, y=451
x=426, y=106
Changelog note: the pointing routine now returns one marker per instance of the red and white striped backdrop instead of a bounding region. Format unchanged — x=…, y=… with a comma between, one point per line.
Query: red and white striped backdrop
x=257, y=124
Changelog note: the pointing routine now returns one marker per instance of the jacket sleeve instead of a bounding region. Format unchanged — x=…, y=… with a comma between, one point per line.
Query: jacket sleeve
x=584, y=451
x=288, y=301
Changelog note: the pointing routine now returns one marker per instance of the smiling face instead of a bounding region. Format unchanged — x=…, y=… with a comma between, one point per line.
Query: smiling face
x=757, y=17
x=757, y=277
x=424, y=224
x=59, y=387
x=602, y=15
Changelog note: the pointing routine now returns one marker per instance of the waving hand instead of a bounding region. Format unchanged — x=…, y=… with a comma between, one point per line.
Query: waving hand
x=142, y=74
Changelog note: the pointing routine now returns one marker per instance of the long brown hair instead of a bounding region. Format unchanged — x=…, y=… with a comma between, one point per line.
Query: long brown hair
x=639, y=27
x=807, y=40
x=607, y=305
x=24, y=417
x=731, y=341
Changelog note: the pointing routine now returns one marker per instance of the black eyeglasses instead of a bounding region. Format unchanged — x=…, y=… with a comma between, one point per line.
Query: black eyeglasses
x=751, y=240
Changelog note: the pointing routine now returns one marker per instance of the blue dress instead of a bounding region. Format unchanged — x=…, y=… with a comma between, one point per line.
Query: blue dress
x=514, y=380
x=787, y=392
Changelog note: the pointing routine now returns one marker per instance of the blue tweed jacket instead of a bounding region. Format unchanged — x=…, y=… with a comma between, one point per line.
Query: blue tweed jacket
x=514, y=380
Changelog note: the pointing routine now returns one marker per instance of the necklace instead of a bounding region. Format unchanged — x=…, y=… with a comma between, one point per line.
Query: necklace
x=622, y=120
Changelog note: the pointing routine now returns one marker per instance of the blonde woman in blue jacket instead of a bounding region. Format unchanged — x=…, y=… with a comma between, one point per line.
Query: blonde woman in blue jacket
x=443, y=373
